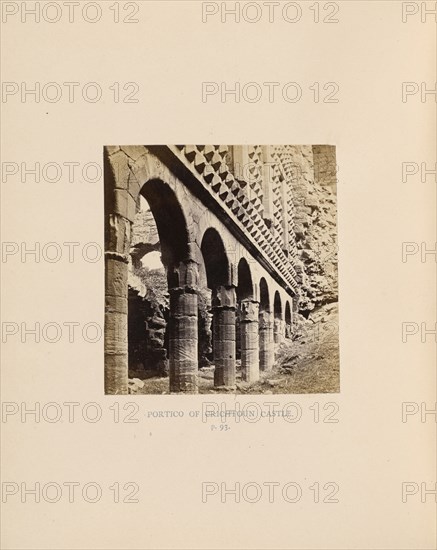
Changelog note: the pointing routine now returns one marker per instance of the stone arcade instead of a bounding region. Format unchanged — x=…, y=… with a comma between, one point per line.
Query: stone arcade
x=228, y=218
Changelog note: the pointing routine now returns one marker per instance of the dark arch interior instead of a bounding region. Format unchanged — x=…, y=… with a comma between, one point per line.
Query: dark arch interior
x=170, y=221
x=287, y=313
x=216, y=261
x=264, y=302
x=277, y=306
x=245, y=286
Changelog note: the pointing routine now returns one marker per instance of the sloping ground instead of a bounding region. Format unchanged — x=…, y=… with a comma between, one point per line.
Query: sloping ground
x=308, y=364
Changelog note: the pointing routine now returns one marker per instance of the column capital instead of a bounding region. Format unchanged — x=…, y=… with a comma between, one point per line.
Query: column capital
x=224, y=297
x=249, y=311
x=184, y=275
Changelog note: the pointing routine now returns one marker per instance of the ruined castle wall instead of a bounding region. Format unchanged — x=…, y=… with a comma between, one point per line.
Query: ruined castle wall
x=315, y=224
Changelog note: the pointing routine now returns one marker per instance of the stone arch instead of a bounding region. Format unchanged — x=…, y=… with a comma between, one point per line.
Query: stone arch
x=278, y=320
x=215, y=259
x=264, y=298
x=152, y=330
x=245, y=289
x=170, y=222
x=182, y=277
x=287, y=312
x=287, y=319
x=223, y=307
x=148, y=307
x=277, y=306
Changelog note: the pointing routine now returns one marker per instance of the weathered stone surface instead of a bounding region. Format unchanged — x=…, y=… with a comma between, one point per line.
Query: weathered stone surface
x=224, y=346
x=120, y=169
x=124, y=204
x=249, y=340
x=116, y=278
x=133, y=151
x=116, y=374
x=115, y=304
x=278, y=331
x=266, y=342
x=115, y=333
x=117, y=234
x=249, y=311
x=183, y=356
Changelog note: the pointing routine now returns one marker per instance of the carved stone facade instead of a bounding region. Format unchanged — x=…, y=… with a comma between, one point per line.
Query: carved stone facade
x=235, y=221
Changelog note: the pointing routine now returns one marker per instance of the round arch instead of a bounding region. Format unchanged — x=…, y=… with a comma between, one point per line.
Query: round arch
x=215, y=259
x=170, y=221
x=277, y=306
x=245, y=285
x=287, y=313
x=264, y=300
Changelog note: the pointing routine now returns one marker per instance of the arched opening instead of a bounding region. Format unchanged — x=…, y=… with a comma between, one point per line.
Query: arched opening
x=244, y=291
x=264, y=299
x=215, y=259
x=278, y=322
x=277, y=306
x=288, y=331
x=266, y=347
x=245, y=285
x=222, y=301
x=148, y=299
x=170, y=222
x=159, y=244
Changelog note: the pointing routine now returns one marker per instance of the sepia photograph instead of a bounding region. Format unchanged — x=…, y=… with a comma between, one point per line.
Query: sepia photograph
x=221, y=269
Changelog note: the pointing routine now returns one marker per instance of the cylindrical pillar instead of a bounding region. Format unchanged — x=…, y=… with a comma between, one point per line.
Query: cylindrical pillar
x=249, y=340
x=288, y=331
x=183, y=360
x=278, y=332
x=266, y=343
x=224, y=302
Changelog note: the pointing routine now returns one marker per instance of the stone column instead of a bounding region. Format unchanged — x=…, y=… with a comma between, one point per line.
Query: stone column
x=183, y=330
x=278, y=331
x=249, y=340
x=288, y=332
x=266, y=343
x=223, y=308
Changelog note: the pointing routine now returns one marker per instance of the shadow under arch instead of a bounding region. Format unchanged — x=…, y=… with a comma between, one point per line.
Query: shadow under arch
x=277, y=306
x=264, y=299
x=266, y=342
x=170, y=221
x=287, y=319
x=245, y=284
x=215, y=259
x=278, y=325
x=223, y=307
